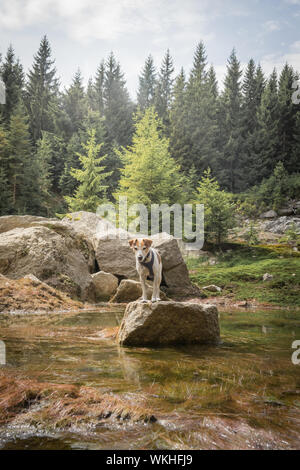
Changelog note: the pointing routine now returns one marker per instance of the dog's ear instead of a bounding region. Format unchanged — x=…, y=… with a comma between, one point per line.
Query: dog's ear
x=147, y=242
x=133, y=242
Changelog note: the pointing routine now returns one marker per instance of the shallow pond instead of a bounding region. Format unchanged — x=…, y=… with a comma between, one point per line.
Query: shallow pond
x=245, y=393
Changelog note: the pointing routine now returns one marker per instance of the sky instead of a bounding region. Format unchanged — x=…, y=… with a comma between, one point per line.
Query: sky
x=83, y=32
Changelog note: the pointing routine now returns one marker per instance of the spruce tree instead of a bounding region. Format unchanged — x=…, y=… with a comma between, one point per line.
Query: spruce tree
x=218, y=208
x=44, y=157
x=147, y=82
x=75, y=103
x=260, y=84
x=163, y=90
x=212, y=82
x=99, y=88
x=42, y=92
x=5, y=192
x=150, y=175
x=11, y=72
x=287, y=121
x=267, y=139
x=250, y=103
x=118, y=117
x=180, y=145
x=91, y=95
x=230, y=165
x=201, y=114
x=91, y=191
x=22, y=169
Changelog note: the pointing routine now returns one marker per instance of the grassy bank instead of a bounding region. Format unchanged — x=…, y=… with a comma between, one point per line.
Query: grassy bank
x=239, y=272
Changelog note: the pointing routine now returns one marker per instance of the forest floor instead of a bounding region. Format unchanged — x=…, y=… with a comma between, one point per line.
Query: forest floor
x=239, y=272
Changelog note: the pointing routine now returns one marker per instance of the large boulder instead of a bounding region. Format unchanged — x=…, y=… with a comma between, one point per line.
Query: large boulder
x=9, y=222
x=52, y=254
x=115, y=256
x=169, y=323
x=281, y=225
x=130, y=290
x=268, y=215
x=88, y=224
x=105, y=284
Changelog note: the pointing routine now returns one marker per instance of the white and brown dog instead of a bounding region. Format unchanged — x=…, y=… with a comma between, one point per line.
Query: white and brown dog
x=148, y=265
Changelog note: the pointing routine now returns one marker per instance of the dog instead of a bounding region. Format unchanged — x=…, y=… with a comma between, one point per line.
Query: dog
x=148, y=266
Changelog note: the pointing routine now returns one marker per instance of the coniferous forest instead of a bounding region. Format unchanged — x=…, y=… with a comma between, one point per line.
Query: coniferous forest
x=73, y=148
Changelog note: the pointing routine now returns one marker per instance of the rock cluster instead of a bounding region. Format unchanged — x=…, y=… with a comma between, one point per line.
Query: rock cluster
x=84, y=256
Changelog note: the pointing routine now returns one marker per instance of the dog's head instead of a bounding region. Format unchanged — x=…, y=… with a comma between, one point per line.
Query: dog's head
x=140, y=247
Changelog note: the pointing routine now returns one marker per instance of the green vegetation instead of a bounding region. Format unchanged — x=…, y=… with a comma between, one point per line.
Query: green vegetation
x=149, y=175
x=218, y=208
x=91, y=192
x=248, y=134
x=239, y=272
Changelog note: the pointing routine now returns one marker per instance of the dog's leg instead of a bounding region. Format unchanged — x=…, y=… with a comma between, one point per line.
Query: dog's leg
x=144, y=289
x=156, y=286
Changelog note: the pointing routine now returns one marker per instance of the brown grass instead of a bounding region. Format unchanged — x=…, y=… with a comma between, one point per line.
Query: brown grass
x=63, y=405
x=26, y=294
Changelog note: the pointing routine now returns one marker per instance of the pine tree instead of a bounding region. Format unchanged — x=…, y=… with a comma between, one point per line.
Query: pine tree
x=91, y=191
x=249, y=107
x=99, y=88
x=249, y=124
x=147, y=83
x=218, y=208
x=11, y=72
x=5, y=199
x=180, y=145
x=253, y=87
x=42, y=92
x=267, y=139
x=201, y=114
x=93, y=120
x=91, y=95
x=118, y=117
x=212, y=82
x=5, y=193
x=260, y=82
x=150, y=175
x=44, y=156
x=230, y=166
x=22, y=168
x=75, y=103
x=287, y=118
x=294, y=160
x=163, y=91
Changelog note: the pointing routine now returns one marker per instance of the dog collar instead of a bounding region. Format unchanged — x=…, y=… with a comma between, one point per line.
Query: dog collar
x=149, y=265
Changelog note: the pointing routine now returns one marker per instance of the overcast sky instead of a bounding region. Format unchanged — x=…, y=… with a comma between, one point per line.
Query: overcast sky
x=83, y=32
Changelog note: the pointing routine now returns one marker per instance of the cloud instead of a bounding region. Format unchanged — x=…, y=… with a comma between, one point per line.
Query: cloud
x=292, y=57
x=271, y=26
x=104, y=19
x=86, y=20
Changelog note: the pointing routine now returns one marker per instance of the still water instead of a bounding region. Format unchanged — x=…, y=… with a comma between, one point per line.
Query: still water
x=244, y=393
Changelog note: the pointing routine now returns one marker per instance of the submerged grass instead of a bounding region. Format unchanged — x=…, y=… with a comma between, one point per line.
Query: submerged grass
x=61, y=405
x=245, y=393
